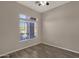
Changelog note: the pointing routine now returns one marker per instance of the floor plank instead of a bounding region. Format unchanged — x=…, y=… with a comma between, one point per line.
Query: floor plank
x=42, y=51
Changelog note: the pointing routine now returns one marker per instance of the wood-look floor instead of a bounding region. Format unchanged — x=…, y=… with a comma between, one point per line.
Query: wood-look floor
x=43, y=51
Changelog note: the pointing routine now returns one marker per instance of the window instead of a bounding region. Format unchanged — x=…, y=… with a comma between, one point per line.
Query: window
x=27, y=27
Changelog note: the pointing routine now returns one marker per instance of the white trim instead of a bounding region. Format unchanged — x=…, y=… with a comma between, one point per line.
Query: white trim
x=62, y=48
x=37, y=44
x=19, y=49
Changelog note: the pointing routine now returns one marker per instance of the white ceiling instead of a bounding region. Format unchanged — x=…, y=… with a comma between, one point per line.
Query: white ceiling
x=32, y=5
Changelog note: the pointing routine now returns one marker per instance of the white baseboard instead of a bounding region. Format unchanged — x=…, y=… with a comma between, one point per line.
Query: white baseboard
x=37, y=44
x=19, y=49
x=61, y=48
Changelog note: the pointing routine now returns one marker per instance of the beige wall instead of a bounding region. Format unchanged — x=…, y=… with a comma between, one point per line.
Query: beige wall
x=9, y=27
x=61, y=26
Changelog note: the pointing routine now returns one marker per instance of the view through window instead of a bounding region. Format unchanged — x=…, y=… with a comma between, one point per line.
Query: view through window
x=27, y=27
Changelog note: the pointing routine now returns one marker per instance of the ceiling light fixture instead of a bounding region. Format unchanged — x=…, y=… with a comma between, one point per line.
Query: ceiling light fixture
x=43, y=3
